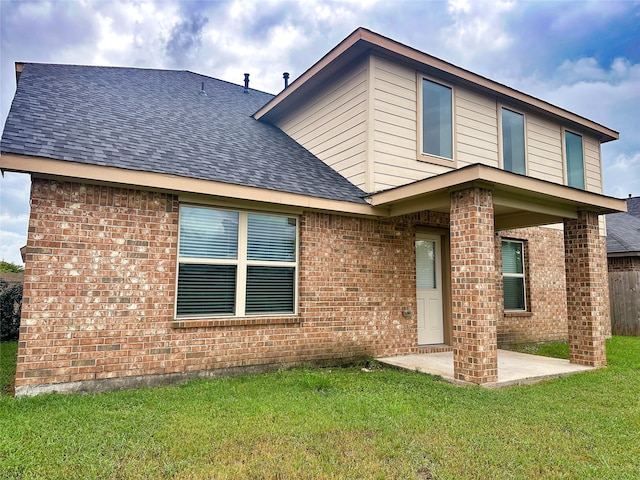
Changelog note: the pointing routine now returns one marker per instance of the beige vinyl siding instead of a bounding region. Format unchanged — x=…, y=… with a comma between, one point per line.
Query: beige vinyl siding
x=364, y=124
x=476, y=129
x=394, y=129
x=592, y=169
x=332, y=124
x=544, y=149
x=395, y=126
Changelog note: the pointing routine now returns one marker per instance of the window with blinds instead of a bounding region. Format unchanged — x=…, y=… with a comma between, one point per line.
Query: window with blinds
x=426, y=264
x=513, y=275
x=235, y=263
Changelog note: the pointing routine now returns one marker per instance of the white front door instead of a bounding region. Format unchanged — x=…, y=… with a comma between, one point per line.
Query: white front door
x=429, y=289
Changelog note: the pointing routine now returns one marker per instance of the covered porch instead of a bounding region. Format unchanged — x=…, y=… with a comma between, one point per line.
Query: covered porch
x=482, y=201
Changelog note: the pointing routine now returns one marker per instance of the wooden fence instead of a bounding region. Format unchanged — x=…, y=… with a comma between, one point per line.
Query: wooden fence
x=624, y=295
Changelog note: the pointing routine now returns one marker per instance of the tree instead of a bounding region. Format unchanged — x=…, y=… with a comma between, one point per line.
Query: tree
x=8, y=267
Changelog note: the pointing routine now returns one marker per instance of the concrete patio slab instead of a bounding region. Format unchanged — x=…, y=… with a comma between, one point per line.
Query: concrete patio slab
x=513, y=368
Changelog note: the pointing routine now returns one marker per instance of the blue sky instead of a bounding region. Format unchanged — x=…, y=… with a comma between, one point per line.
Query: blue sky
x=582, y=56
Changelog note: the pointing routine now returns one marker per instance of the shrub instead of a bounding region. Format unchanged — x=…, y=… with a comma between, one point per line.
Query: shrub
x=10, y=308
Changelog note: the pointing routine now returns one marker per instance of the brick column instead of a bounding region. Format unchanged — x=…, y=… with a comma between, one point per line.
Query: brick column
x=586, y=273
x=473, y=277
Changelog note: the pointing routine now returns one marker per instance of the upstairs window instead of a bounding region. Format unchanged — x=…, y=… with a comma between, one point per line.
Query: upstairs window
x=235, y=263
x=437, y=119
x=575, y=159
x=513, y=148
x=513, y=279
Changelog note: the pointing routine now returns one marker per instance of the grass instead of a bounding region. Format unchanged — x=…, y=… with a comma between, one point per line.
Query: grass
x=8, y=354
x=555, y=350
x=340, y=423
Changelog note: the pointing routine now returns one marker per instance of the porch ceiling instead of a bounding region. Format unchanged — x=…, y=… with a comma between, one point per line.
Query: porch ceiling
x=519, y=201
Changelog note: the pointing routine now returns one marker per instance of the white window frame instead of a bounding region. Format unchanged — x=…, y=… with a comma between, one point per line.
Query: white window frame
x=565, y=159
x=421, y=154
x=522, y=275
x=241, y=265
x=501, y=139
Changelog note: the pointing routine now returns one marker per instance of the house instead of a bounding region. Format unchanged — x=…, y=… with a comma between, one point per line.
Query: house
x=386, y=202
x=623, y=260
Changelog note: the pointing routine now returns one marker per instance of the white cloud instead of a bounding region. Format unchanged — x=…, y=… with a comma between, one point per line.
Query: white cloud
x=587, y=69
x=501, y=40
x=620, y=172
x=478, y=27
x=14, y=215
x=111, y=41
x=13, y=189
x=10, y=244
x=608, y=95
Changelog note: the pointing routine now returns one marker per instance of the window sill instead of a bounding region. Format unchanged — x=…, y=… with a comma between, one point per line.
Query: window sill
x=436, y=160
x=518, y=314
x=180, y=324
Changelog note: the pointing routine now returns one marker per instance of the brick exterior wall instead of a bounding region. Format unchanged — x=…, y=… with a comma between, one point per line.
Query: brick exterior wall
x=623, y=264
x=100, y=284
x=12, y=278
x=473, y=286
x=587, y=296
x=545, y=319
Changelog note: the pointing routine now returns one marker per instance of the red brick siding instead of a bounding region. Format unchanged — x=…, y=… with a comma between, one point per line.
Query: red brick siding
x=110, y=255
x=99, y=282
x=587, y=295
x=473, y=286
x=623, y=264
x=546, y=315
x=601, y=252
x=100, y=286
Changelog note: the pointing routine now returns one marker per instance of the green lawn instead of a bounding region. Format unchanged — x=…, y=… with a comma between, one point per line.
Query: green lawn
x=555, y=350
x=8, y=354
x=340, y=423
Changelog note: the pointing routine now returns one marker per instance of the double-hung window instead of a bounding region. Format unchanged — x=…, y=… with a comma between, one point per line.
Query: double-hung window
x=236, y=263
x=513, y=278
x=513, y=146
x=437, y=119
x=574, y=158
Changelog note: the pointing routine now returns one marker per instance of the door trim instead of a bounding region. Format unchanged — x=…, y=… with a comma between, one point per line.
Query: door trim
x=432, y=299
x=445, y=244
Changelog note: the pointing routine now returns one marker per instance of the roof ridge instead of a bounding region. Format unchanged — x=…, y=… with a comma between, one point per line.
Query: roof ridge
x=149, y=69
x=55, y=64
x=229, y=82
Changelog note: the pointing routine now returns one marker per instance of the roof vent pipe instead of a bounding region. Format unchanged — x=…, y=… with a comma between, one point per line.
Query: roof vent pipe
x=246, y=83
x=285, y=75
x=202, y=92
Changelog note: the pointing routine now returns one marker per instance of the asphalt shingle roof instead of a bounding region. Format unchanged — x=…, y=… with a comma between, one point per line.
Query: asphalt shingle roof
x=633, y=206
x=623, y=229
x=159, y=121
